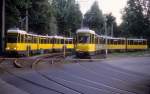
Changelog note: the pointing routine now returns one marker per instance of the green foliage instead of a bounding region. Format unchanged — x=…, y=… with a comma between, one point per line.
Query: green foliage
x=94, y=18
x=40, y=16
x=134, y=20
x=45, y=16
x=13, y=12
x=68, y=16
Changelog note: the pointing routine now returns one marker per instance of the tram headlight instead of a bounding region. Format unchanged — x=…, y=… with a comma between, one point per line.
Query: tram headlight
x=15, y=48
x=7, y=48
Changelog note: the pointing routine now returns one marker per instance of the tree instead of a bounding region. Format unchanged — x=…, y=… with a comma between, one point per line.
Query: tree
x=133, y=19
x=68, y=16
x=40, y=16
x=59, y=13
x=13, y=12
x=51, y=17
x=94, y=18
x=73, y=17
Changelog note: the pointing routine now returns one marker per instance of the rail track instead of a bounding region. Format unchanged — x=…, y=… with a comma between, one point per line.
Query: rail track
x=55, y=58
x=49, y=58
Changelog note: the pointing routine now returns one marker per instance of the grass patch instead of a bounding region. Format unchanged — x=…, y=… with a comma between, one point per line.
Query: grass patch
x=131, y=53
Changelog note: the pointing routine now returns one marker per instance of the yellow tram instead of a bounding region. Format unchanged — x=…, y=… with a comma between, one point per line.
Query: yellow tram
x=22, y=43
x=136, y=44
x=89, y=43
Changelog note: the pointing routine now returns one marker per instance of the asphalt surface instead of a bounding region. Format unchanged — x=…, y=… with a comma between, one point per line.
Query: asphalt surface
x=120, y=75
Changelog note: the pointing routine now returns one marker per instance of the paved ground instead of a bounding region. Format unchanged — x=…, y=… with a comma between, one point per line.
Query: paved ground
x=125, y=75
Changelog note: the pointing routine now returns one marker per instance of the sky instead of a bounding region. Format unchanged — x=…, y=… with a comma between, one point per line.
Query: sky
x=107, y=6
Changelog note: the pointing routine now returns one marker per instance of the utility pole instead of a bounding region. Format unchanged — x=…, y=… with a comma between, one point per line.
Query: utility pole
x=3, y=27
x=27, y=17
x=105, y=25
x=112, y=33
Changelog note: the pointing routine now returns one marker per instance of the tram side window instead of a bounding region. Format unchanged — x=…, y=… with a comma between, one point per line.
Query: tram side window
x=134, y=42
x=41, y=41
x=111, y=41
x=92, y=39
x=52, y=41
x=115, y=42
x=144, y=42
x=22, y=38
x=28, y=39
x=141, y=42
x=59, y=41
x=35, y=39
x=108, y=41
x=70, y=41
x=32, y=39
x=96, y=40
x=44, y=41
x=120, y=42
x=62, y=41
x=131, y=42
x=103, y=41
x=56, y=41
x=48, y=40
x=25, y=39
x=123, y=41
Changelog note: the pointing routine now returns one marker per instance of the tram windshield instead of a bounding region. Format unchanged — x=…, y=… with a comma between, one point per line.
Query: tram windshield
x=11, y=38
x=84, y=38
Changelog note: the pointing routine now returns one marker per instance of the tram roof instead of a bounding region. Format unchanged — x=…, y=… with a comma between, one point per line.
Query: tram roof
x=60, y=37
x=109, y=37
x=68, y=38
x=85, y=31
x=45, y=36
x=16, y=31
x=135, y=39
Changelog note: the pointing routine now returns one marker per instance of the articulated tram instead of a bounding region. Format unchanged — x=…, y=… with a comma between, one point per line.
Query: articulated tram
x=90, y=43
x=22, y=43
